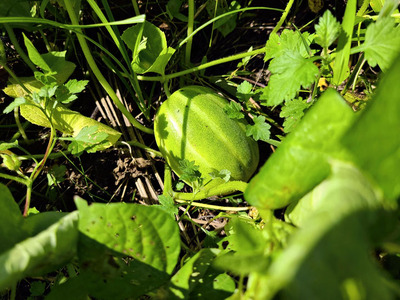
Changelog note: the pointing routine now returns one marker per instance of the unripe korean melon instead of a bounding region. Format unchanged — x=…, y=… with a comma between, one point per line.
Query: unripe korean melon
x=192, y=124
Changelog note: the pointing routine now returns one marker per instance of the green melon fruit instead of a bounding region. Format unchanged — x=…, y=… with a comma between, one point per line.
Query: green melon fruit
x=192, y=124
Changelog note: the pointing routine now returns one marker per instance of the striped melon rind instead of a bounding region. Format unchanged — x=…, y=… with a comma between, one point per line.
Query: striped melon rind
x=192, y=124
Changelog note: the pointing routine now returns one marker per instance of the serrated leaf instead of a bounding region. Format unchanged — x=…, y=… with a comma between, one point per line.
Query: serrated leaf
x=291, y=71
x=168, y=205
x=223, y=174
x=244, y=91
x=190, y=171
x=289, y=40
x=76, y=86
x=234, y=110
x=327, y=30
x=293, y=111
x=260, y=130
x=382, y=43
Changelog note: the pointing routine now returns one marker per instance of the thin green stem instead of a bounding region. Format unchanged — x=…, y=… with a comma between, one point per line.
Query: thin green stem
x=14, y=178
x=120, y=45
x=363, y=8
x=219, y=190
x=20, y=128
x=96, y=71
x=28, y=197
x=189, y=31
x=141, y=146
x=10, y=20
x=203, y=66
x=49, y=148
x=167, y=180
x=166, y=89
x=223, y=16
x=12, y=74
x=283, y=17
x=18, y=48
x=135, y=7
x=211, y=206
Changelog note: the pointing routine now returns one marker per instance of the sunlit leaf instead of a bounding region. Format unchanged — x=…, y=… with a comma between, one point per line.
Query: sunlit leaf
x=260, y=130
x=302, y=160
x=374, y=139
x=330, y=256
x=327, y=30
x=382, y=43
x=291, y=71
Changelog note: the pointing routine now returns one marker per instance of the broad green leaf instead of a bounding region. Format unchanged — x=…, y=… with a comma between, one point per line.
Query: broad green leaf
x=340, y=67
x=389, y=7
x=293, y=111
x=6, y=145
x=330, y=256
x=14, y=89
x=36, y=223
x=198, y=279
x=161, y=61
x=89, y=139
x=10, y=161
x=290, y=71
x=16, y=103
x=382, y=43
x=374, y=139
x=42, y=253
x=260, y=130
x=11, y=8
x=247, y=249
x=11, y=220
x=302, y=160
x=63, y=119
x=376, y=5
x=149, y=46
x=145, y=233
x=57, y=64
x=250, y=249
x=35, y=56
x=173, y=9
x=327, y=30
x=299, y=212
x=227, y=24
